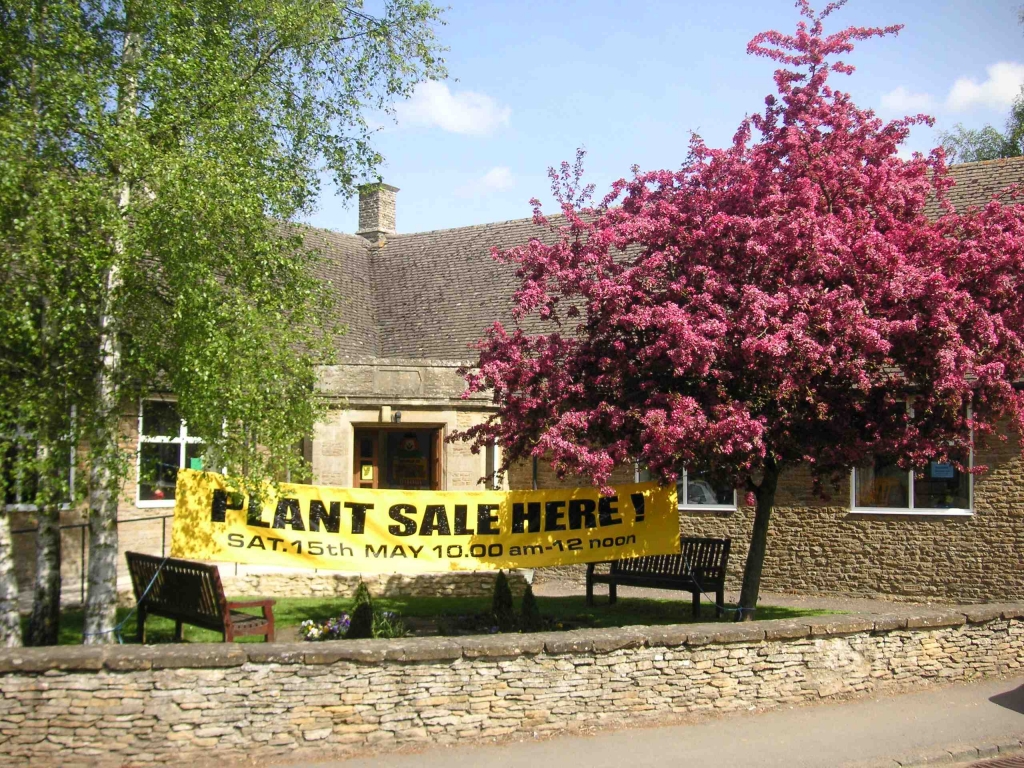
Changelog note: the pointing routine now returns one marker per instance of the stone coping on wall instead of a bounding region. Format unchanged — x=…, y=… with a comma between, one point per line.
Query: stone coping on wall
x=124, y=658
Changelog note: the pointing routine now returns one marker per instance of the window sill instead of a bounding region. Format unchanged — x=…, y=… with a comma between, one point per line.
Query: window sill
x=907, y=512
x=32, y=507
x=721, y=509
x=155, y=504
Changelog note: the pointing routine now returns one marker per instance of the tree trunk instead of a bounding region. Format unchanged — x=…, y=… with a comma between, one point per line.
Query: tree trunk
x=765, y=496
x=44, y=625
x=105, y=470
x=10, y=619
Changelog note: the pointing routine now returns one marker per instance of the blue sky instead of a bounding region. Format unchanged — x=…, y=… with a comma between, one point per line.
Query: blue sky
x=532, y=81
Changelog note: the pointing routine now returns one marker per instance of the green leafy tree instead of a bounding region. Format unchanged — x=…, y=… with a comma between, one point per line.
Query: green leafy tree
x=968, y=145
x=501, y=604
x=529, y=613
x=362, y=615
x=151, y=157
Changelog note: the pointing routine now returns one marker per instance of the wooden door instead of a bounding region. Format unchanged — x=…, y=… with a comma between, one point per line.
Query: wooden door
x=366, y=463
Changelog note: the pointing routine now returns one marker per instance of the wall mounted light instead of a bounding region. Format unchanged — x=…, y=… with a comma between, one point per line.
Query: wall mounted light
x=397, y=417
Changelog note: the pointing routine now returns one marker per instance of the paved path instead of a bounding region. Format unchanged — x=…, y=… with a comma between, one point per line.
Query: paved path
x=843, y=603
x=911, y=728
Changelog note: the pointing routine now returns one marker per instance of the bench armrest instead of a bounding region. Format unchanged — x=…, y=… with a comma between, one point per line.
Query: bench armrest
x=252, y=604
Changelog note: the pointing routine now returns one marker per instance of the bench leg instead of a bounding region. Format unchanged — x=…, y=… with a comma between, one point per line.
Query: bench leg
x=613, y=593
x=179, y=631
x=140, y=626
x=696, y=605
x=270, y=626
x=721, y=601
x=590, y=590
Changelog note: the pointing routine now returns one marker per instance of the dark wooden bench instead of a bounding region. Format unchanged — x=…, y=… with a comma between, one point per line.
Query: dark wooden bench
x=191, y=593
x=699, y=567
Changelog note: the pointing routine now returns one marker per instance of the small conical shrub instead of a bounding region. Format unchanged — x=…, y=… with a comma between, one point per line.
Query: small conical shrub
x=362, y=615
x=501, y=605
x=529, y=613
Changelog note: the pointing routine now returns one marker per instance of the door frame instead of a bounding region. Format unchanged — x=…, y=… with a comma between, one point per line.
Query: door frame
x=438, y=465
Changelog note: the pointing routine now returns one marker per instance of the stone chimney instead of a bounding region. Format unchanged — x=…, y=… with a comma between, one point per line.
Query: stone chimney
x=376, y=211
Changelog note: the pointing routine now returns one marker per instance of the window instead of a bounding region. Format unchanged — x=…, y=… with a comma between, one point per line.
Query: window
x=406, y=458
x=20, y=481
x=21, y=474
x=694, y=491
x=491, y=463
x=164, y=448
x=939, y=488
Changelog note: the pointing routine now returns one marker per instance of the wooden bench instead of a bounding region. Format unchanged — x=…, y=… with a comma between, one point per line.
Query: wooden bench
x=699, y=567
x=191, y=593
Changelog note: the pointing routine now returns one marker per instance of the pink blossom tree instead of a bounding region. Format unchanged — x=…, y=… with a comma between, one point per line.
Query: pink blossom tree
x=771, y=305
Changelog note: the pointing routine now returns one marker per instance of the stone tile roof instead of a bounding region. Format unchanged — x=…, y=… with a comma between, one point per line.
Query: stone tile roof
x=345, y=262
x=437, y=292
x=433, y=294
x=977, y=183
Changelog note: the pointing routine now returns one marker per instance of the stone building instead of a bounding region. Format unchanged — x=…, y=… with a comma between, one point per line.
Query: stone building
x=414, y=304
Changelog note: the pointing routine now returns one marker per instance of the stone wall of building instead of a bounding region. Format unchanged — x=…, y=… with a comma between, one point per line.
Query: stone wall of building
x=819, y=546
x=180, y=703
x=427, y=394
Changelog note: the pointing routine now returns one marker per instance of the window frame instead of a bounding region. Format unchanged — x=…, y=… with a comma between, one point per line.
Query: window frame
x=21, y=506
x=911, y=509
x=182, y=440
x=492, y=461
x=682, y=503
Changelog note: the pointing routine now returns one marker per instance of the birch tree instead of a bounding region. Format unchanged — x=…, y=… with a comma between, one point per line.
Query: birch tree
x=187, y=136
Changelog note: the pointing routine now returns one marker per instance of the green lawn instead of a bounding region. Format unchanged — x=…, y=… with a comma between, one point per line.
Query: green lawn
x=424, y=612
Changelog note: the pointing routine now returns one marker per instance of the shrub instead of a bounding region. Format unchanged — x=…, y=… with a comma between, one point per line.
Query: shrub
x=529, y=613
x=501, y=605
x=388, y=624
x=362, y=615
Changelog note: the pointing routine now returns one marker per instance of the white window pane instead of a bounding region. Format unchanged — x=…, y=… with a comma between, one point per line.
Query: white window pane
x=700, y=492
x=158, y=470
x=942, y=486
x=20, y=481
x=160, y=419
x=194, y=456
x=882, y=485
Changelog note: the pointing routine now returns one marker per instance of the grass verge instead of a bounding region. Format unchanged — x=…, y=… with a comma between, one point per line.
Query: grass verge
x=426, y=614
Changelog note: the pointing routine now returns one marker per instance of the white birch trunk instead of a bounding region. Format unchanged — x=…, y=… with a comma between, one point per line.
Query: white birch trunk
x=10, y=619
x=105, y=477
x=105, y=471
x=44, y=624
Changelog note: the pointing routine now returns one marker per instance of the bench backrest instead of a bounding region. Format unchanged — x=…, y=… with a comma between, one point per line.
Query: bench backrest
x=182, y=588
x=702, y=558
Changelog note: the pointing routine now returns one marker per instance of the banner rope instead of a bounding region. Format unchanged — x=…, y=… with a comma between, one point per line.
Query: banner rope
x=116, y=630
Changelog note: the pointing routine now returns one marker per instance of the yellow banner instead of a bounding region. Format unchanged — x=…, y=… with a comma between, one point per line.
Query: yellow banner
x=385, y=531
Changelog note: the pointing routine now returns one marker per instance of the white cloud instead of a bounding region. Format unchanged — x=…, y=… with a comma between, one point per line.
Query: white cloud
x=902, y=100
x=998, y=92
x=497, y=179
x=466, y=112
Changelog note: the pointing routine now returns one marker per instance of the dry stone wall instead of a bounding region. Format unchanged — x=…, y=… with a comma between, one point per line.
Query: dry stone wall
x=326, y=585
x=126, y=705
